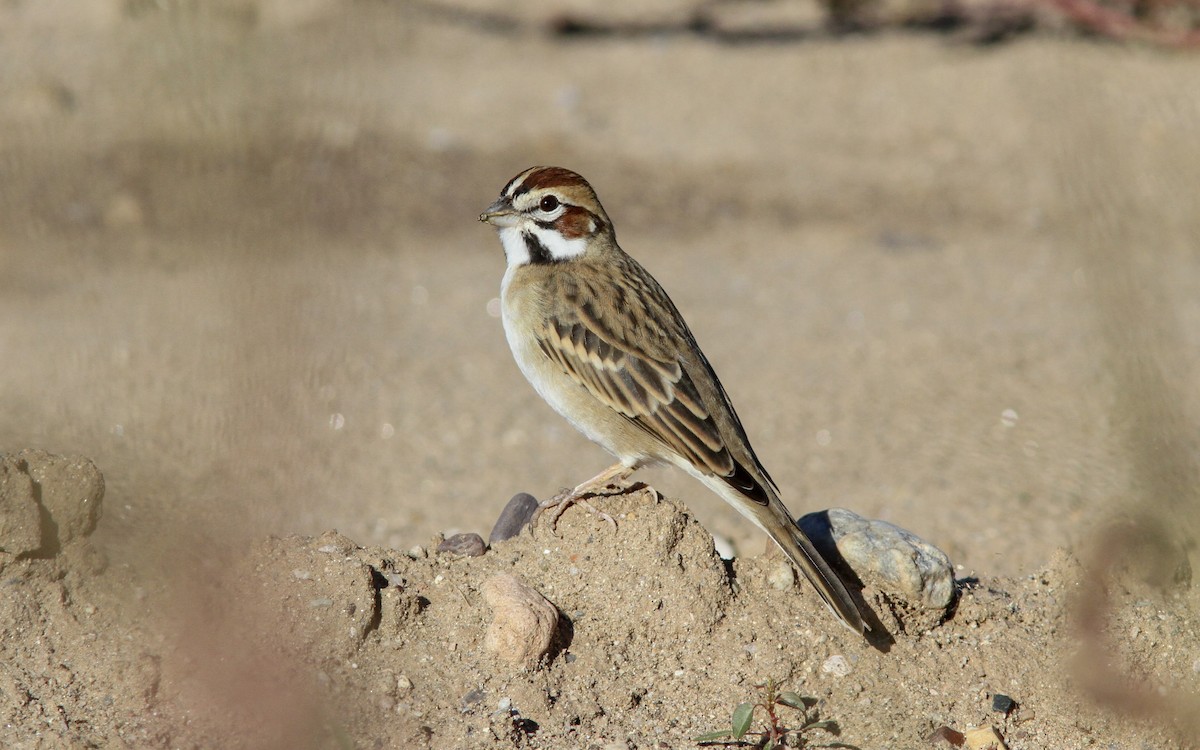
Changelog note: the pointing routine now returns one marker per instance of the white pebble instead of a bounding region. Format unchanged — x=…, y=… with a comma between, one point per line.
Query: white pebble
x=836, y=665
x=781, y=576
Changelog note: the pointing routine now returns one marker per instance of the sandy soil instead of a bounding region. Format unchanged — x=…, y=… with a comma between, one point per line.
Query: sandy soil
x=952, y=287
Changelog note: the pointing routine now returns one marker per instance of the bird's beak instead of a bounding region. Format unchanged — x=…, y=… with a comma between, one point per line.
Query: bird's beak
x=500, y=213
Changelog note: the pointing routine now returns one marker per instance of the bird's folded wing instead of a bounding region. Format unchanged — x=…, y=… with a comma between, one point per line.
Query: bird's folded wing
x=653, y=393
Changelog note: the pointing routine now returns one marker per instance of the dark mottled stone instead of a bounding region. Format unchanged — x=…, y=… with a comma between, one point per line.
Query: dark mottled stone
x=514, y=517
x=468, y=545
x=1002, y=704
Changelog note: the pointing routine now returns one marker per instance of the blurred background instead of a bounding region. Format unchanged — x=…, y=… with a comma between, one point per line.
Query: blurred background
x=942, y=255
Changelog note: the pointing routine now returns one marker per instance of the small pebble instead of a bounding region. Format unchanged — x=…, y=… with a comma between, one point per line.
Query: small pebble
x=515, y=516
x=836, y=665
x=946, y=735
x=403, y=684
x=473, y=697
x=466, y=545
x=781, y=576
x=984, y=738
x=1003, y=704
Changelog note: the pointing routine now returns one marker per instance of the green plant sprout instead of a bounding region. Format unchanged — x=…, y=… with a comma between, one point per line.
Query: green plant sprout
x=775, y=735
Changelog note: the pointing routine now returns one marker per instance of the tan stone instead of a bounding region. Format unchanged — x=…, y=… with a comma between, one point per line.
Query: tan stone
x=523, y=621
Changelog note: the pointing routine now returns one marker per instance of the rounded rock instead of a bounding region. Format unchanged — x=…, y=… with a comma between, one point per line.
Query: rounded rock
x=902, y=562
x=523, y=621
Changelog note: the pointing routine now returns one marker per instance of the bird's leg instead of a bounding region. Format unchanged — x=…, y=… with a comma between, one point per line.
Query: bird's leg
x=615, y=476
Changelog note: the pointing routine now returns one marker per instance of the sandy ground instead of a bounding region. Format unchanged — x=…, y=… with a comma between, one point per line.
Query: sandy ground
x=952, y=287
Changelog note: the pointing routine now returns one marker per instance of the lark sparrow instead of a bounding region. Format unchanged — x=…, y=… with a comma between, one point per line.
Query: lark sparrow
x=603, y=344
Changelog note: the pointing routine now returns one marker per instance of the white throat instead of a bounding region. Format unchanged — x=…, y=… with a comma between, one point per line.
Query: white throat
x=517, y=250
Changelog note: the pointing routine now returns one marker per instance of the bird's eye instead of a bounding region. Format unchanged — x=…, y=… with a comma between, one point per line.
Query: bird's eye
x=549, y=203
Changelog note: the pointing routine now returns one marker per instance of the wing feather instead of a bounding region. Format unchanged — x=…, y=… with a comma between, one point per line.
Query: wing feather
x=654, y=392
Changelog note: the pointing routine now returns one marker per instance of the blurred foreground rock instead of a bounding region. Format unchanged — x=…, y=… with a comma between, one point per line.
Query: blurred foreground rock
x=46, y=502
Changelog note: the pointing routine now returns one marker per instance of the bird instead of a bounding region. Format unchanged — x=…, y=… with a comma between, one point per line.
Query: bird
x=601, y=342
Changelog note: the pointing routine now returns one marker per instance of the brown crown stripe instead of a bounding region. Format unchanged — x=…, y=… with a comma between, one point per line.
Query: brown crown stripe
x=539, y=178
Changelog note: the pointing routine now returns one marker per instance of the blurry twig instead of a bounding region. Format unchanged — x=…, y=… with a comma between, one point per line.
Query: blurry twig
x=980, y=21
x=1122, y=24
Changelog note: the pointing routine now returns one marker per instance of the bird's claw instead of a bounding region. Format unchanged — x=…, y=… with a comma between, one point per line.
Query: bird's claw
x=560, y=502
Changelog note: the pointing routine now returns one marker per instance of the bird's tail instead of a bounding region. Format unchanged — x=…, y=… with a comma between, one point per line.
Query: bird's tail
x=775, y=519
x=796, y=544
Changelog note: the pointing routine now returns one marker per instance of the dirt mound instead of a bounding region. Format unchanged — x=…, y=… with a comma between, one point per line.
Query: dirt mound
x=319, y=642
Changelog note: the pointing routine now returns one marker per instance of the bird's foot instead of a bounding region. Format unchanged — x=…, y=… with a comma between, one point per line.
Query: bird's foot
x=614, y=481
x=558, y=505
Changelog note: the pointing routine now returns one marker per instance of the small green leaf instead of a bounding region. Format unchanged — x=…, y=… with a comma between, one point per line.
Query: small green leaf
x=770, y=745
x=742, y=715
x=713, y=736
x=829, y=725
x=791, y=700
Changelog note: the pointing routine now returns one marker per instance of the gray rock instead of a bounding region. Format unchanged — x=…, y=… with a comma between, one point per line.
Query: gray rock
x=515, y=516
x=898, y=561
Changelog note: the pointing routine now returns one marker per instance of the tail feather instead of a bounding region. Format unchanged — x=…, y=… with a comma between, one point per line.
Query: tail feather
x=796, y=544
x=773, y=517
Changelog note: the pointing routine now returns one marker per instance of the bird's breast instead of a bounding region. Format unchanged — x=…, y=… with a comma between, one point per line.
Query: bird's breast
x=524, y=308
